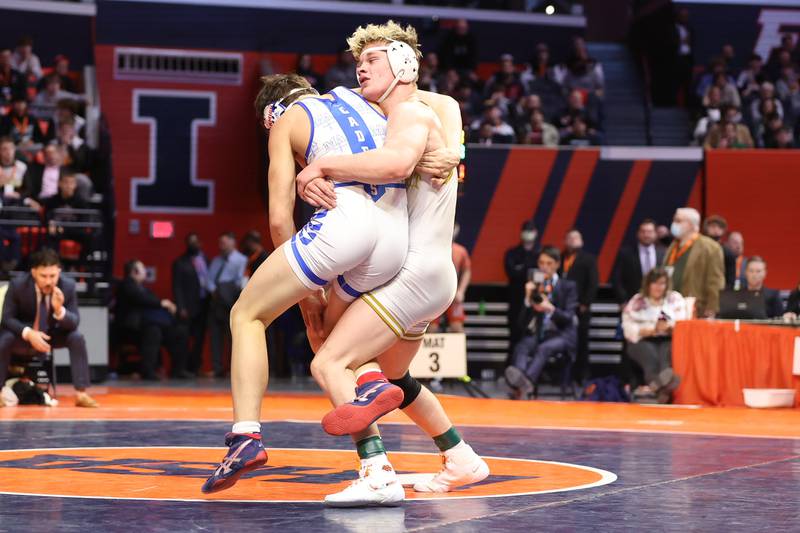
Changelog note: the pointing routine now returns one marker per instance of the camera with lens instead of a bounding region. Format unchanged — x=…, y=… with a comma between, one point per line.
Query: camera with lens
x=538, y=278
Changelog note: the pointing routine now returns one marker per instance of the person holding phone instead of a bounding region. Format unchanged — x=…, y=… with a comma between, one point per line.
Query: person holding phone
x=647, y=323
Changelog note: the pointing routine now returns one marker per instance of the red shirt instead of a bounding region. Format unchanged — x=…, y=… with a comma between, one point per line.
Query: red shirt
x=461, y=259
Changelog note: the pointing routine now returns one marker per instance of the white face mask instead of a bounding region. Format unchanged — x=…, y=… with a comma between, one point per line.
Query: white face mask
x=676, y=229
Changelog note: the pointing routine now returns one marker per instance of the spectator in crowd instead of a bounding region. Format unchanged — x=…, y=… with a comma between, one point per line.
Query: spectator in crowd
x=576, y=108
x=769, y=130
x=793, y=305
x=190, y=290
x=458, y=49
x=305, y=69
x=750, y=79
x=12, y=172
x=633, y=264
x=695, y=262
x=524, y=108
x=343, y=73
x=539, y=132
x=755, y=274
x=152, y=321
x=647, y=323
x=507, y=78
x=716, y=227
x=784, y=139
x=735, y=261
x=44, y=105
x=25, y=61
x=580, y=267
x=501, y=131
x=60, y=69
x=727, y=88
x=497, y=98
x=583, y=73
x=728, y=132
x=518, y=262
x=716, y=66
x=12, y=82
x=548, y=317
x=712, y=114
x=41, y=181
x=541, y=63
x=254, y=251
x=67, y=110
x=455, y=313
x=23, y=128
x=225, y=281
x=40, y=313
x=65, y=200
x=759, y=108
x=782, y=56
x=66, y=196
x=683, y=38
x=664, y=235
x=580, y=134
x=78, y=155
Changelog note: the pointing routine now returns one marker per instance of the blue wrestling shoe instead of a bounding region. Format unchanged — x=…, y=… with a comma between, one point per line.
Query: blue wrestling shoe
x=373, y=400
x=245, y=453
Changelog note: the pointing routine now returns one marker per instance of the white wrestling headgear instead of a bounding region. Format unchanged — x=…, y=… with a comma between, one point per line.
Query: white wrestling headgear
x=402, y=61
x=275, y=110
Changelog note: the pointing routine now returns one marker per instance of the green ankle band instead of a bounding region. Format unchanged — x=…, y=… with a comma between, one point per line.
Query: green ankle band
x=448, y=439
x=370, y=447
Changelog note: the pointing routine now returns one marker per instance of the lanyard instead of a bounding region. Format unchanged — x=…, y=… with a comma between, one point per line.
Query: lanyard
x=568, y=263
x=678, y=253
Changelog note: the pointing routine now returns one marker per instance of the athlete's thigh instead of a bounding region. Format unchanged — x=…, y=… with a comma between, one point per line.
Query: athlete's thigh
x=357, y=338
x=273, y=288
x=334, y=310
x=395, y=361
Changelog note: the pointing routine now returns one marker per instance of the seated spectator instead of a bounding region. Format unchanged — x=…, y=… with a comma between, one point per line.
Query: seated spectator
x=507, y=78
x=459, y=49
x=750, y=79
x=449, y=82
x=728, y=93
x=12, y=82
x=716, y=66
x=40, y=312
x=780, y=61
x=548, y=317
x=469, y=101
x=60, y=69
x=497, y=98
x=769, y=130
x=541, y=64
x=41, y=181
x=65, y=199
x=44, y=105
x=67, y=110
x=728, y=133
x=756, y=273
x=580, y=134
x=713, y=114
x=76, y=149
x=12, y=171
x=343, y=73
x=305, y=69
x=24, y=129
x=784, y=139
x=647, y=323
x=583, y=72
x=695, y=262
x=25, y=61
x=539, y=132
x=759, y=106
x=793, y=305
x=501, y=131
x=789, y=91
x=152, y=321
x=575, y=108
x=522, y=111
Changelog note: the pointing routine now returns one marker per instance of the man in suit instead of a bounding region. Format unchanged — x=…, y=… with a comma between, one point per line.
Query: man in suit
x=190, y=290
x=152, y=320
x=695, y=263
x=41, y=181
x=518, y=261
x=755, y=273
x=225, y=280
x=735, y=261
x=634, y=263
x=254, y=251
x=548, y=316
x=581, y=267
x=40, y=312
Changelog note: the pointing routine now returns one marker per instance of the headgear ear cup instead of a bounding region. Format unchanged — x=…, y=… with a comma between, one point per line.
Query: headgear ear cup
x=403, y=61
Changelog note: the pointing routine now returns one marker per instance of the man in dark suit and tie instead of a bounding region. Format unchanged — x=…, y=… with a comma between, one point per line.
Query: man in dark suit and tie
x=190, y=290
x=634, y=263
x=548, y=315
x=40, y=312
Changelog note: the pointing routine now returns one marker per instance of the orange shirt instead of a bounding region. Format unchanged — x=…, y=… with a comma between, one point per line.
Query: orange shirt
x=461, y=259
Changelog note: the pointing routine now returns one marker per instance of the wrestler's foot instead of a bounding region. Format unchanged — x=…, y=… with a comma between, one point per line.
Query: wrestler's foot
x=373, y=400
x=245, y=453
x=460, y=466
x=377, y=485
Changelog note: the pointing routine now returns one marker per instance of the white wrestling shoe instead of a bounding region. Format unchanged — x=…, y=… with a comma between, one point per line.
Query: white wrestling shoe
x=461, y=466
x=377, y=485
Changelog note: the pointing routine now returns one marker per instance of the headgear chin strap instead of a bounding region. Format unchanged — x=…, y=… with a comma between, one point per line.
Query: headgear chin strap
x=274, y=111
x=402, y=61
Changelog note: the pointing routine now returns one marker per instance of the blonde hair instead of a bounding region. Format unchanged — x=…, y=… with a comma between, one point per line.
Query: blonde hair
x=391, y=31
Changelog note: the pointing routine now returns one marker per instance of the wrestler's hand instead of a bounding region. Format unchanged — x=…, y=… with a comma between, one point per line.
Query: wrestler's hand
x=438, y=163
x=320, y=193
x=306, y=176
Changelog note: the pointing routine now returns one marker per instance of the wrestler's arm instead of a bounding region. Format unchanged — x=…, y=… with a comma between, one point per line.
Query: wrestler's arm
x=281, y=178
x=407, y=132
x=449, y=113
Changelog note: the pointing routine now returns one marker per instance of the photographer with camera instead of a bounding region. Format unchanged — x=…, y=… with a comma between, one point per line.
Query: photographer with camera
x=548, y=316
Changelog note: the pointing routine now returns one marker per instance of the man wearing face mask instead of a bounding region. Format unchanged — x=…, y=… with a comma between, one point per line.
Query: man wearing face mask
x=518, y=261
x=695, y=263
x=190, y=290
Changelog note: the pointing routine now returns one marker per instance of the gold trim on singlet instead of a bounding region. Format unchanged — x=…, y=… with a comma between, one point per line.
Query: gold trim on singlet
x=384, y=314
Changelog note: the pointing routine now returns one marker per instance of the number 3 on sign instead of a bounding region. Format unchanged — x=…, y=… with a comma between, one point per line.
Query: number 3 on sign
x=441, y=355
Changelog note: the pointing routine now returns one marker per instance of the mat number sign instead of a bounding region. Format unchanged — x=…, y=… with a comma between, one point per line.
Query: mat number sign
x=442, y=355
